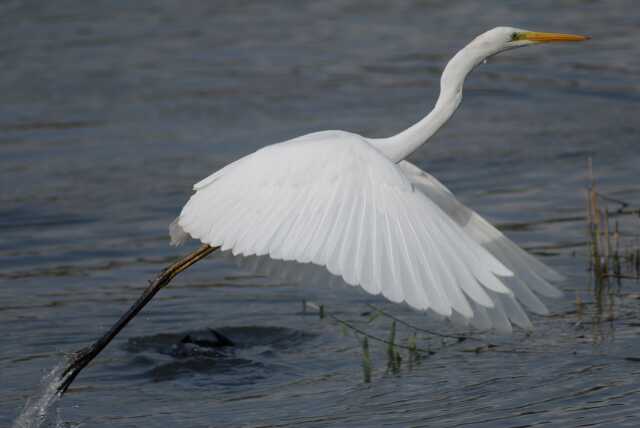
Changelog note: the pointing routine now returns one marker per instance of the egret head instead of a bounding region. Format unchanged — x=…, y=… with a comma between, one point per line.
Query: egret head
x=488, y=44
x=501, y=39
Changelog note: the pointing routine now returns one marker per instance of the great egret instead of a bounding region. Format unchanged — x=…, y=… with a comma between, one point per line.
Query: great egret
x=352, y=206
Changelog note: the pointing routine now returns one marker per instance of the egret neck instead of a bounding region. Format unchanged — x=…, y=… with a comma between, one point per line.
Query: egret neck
x=401, y=145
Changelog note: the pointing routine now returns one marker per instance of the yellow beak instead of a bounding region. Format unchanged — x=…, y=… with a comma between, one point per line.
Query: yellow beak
x=553, y=37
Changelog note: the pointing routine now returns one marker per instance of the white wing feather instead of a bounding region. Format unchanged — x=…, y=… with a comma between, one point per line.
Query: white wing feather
x=330, y=199
x=530, y=275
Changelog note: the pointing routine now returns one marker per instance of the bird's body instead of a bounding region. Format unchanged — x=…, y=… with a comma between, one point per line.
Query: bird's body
x=351, y=204
x=338, y=203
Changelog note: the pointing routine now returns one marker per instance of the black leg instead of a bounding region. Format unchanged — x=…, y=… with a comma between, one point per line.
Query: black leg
x=82, y=357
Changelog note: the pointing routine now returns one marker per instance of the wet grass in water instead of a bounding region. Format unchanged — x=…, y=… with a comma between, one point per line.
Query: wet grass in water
x=614, y=237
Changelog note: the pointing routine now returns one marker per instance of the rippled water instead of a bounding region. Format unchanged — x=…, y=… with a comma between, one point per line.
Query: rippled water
x=111, y=110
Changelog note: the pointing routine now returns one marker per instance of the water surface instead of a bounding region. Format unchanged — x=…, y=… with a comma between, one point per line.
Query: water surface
x=110, y=111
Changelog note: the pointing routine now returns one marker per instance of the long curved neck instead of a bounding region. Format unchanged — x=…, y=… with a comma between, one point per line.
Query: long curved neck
x=401, y=145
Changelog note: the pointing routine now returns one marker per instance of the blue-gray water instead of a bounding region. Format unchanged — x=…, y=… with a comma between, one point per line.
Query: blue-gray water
x=111, y=110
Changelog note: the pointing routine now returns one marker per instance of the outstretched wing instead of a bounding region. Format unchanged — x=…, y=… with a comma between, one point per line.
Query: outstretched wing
x=530, y=277
x=332, y=200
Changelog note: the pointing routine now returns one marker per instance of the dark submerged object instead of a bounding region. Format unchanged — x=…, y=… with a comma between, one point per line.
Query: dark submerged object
x=214, y=339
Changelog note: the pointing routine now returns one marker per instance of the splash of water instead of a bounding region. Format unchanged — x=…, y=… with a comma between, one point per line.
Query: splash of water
x=38, y=409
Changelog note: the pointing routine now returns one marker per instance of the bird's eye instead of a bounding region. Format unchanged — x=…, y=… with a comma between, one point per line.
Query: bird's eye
x=514, y=37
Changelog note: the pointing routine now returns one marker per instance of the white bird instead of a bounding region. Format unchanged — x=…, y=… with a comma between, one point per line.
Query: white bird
x=342, y=203
x=353, y=205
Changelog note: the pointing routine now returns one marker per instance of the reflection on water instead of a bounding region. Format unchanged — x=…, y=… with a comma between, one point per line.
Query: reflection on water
x=109, y=115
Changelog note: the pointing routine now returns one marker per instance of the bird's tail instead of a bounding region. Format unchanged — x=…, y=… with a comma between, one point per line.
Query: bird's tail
x=177, y=233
